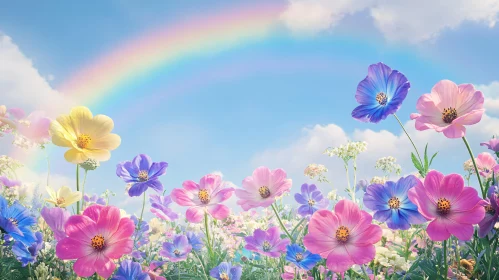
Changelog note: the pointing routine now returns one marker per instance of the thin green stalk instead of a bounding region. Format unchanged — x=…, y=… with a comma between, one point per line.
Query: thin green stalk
x=143, y=206
x=78, y=188
x=210, y=252
x=492, y=252
x=202, y=264
x=83, y=189
x=458, y=257
x=282, y=225
x=352, y=193
x=484, y=194
x=444, y=257
x=410, y=139
x=364, y=271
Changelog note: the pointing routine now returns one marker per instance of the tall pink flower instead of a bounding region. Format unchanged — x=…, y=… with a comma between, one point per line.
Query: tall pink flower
x=207, y=196
x=35, y=127
x=448, y=108
x=344, y=237
x=95, y=239
x=261, y=189
x=487, y=165
x=451, y=207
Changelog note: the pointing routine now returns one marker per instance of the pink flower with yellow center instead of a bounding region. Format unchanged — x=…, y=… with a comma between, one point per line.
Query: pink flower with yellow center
x=344, y=237
x=261, y=189
x=451, y=207
x=487, y=165
x=95, y=239
x=207, y=196
x=448, y=108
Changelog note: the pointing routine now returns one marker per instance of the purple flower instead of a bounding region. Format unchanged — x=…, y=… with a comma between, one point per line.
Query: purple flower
x=178, y=250
x=491, y=212
x=142, y=173
x=225, y=271
x=268, y=243
x=94, y=199
x=25, y=254
x=195, y=241
x=493, y=145
x=361, y=185
x=129, y=270
x=140, y=235
x=311, y=199
x=56, y=218
x=160, y=207
x=4, y=181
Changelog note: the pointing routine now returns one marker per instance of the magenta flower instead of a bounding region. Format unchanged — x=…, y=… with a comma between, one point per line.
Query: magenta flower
x=451, y=207
x=492, y=144
x=56, y=218
x=35, y=127
x=448, y=108
x=268, y=243
x=344, y=237
x=207, y=196
x=261, y=189
x=160, y=207
x=486, y=165
x=178, y=250
x=491, y=212
x=95, y=239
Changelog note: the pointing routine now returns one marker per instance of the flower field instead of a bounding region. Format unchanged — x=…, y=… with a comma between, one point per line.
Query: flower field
x=420, y=225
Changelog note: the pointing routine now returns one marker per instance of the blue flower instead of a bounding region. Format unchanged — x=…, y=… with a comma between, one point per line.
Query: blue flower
x=129, y=270
x=390, y=203
x=140, y=235
x=311, y=199
x=225, y=271
x=28, y=254
x=16, y=222
x=142, y=173
x=195, y=241
x=380, y=94
x=302, y=258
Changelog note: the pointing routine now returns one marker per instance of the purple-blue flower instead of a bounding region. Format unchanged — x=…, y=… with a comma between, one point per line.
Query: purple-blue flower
x=28, y=254
x=160, y=207
x=380, y=94
x=142, y=173
x=195, y=241
x=492, y=144
x=225, y=271
x=129, y=270
x=361, y=185
x=491, y=212
x=16, y=221
x=94, y=199
x=140, y=235
x=268, y=243
x=311, y=199
x=56, y=218
x=302, y=258
x=390, y=203
x=6, y=182
x=178, y=250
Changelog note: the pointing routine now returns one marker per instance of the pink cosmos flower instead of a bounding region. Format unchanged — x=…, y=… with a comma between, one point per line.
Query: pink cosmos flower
x=352, y=239
x=487, y=165
x=94, y=239
x=207, y=196
x=261, y=189
x=448, y=108
x=451, y=207
x=35, y=127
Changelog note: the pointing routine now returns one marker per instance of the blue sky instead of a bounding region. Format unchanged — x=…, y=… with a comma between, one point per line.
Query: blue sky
x=257, y=116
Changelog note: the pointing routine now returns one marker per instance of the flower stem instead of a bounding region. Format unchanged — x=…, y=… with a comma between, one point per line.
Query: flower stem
x=282, y=225
x=445, y=260
x=83, y=189
x=143, y=206
x=364, y=271
x=476, y=168
x=207, y=228
x=78, y=188
x=202, y=264
x=410, y=139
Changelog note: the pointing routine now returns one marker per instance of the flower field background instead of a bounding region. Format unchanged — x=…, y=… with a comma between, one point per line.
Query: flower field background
x=421, y=225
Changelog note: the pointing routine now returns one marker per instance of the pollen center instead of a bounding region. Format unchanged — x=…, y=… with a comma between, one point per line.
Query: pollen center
x=266, y=246
x=299, y=257
x=264, y=191
x=394, y=203
x=224, y=276
x=489, y=209
x=14, y=221
x=449, y=114
x=204, y=196
x=82, y=141
x=143, y=175
x=60, y=201
x=443, y=206
x=176, y=252
x=381, y=98
x=342, y=234
x=98, y=242
x=311, y=202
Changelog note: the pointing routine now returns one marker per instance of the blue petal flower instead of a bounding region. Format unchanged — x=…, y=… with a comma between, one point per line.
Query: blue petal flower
x=301, y=258
x=311, y=199
x=226, y=271
x=142, y=173
x=129, y=270
x=25, y=254
x=16, y=221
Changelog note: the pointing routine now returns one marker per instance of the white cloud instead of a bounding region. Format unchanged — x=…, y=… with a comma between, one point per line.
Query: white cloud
x=412, y=20
x=491, y=93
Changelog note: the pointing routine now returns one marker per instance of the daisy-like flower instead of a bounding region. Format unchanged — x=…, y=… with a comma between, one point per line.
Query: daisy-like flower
x=63, y=197
x=491, y=212
x=486, y=165
x=56, y=218
x=86, y=135
x=207, y=196
x=352, y=239
x=448, y=108
x=160, y=207
x=268, y=243
x=261, y=189
x=380, y=94
x=311, y=200
x=95, y=239
x=391, y=204
x=300, y=257
x=142, y=173
x=451, y=207
x=129, y=270
x=226, y=271
x=178, y=250
x=16, y=221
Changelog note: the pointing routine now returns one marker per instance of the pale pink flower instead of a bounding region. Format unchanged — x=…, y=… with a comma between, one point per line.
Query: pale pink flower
x=35, y=127
x=487, y=165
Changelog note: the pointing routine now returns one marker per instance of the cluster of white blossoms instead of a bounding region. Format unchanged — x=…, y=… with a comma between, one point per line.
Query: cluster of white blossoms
x=316, y=170
x=378, y=180
x=390, y=258
x=388, y=165
x=469, y=167
x=8, y=164
x=348, y=151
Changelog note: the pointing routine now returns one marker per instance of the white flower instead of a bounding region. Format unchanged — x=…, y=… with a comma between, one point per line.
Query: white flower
x=378, y=180
x=315, y=170
x=348, y=151
x=388, y=165
x=332, y=195
x=469, y=167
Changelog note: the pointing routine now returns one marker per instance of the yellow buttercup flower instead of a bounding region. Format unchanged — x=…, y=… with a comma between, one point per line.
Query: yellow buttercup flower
x=63, y=197
x=87, y=136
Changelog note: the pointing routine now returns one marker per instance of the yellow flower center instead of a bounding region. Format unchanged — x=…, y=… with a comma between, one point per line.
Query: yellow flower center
x=143, y=175
x=489, y=209
x=381, y=98
x=14, y=221
x=176, y=252
x=311, y=202
x=60, y=201
x=264, y=191
x=203, y=196
x=394, y=203
x=443, y=206
x=224, y=276
x=342, y=234
x=449, y=114
x=98, y=242
x=266, y=246
x=82, y=141
x=299, y=257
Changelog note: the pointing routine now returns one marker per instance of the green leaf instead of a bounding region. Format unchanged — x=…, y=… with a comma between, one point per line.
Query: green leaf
x=431, y=160
x=416, y=162
x=426, y=165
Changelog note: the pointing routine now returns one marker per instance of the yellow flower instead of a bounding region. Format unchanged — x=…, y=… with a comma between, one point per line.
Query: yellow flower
x=63, y=197
x=88, y=137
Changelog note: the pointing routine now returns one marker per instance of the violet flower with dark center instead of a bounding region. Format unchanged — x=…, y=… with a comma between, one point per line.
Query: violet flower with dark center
x=142, y=173
x=311, y=200
x=491, y=212
x=226, y=271
x=160, y=207
x=268, y=243
x=178, y=250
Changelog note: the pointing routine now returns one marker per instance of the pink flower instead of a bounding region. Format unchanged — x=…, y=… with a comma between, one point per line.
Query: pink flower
x=95, y=239
x=261, y=189
x=207, y=196
x=344, y=237
x=448, y=108
x=487, y=165
x=35, y=127
x=451, y=207
x=289, y=273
